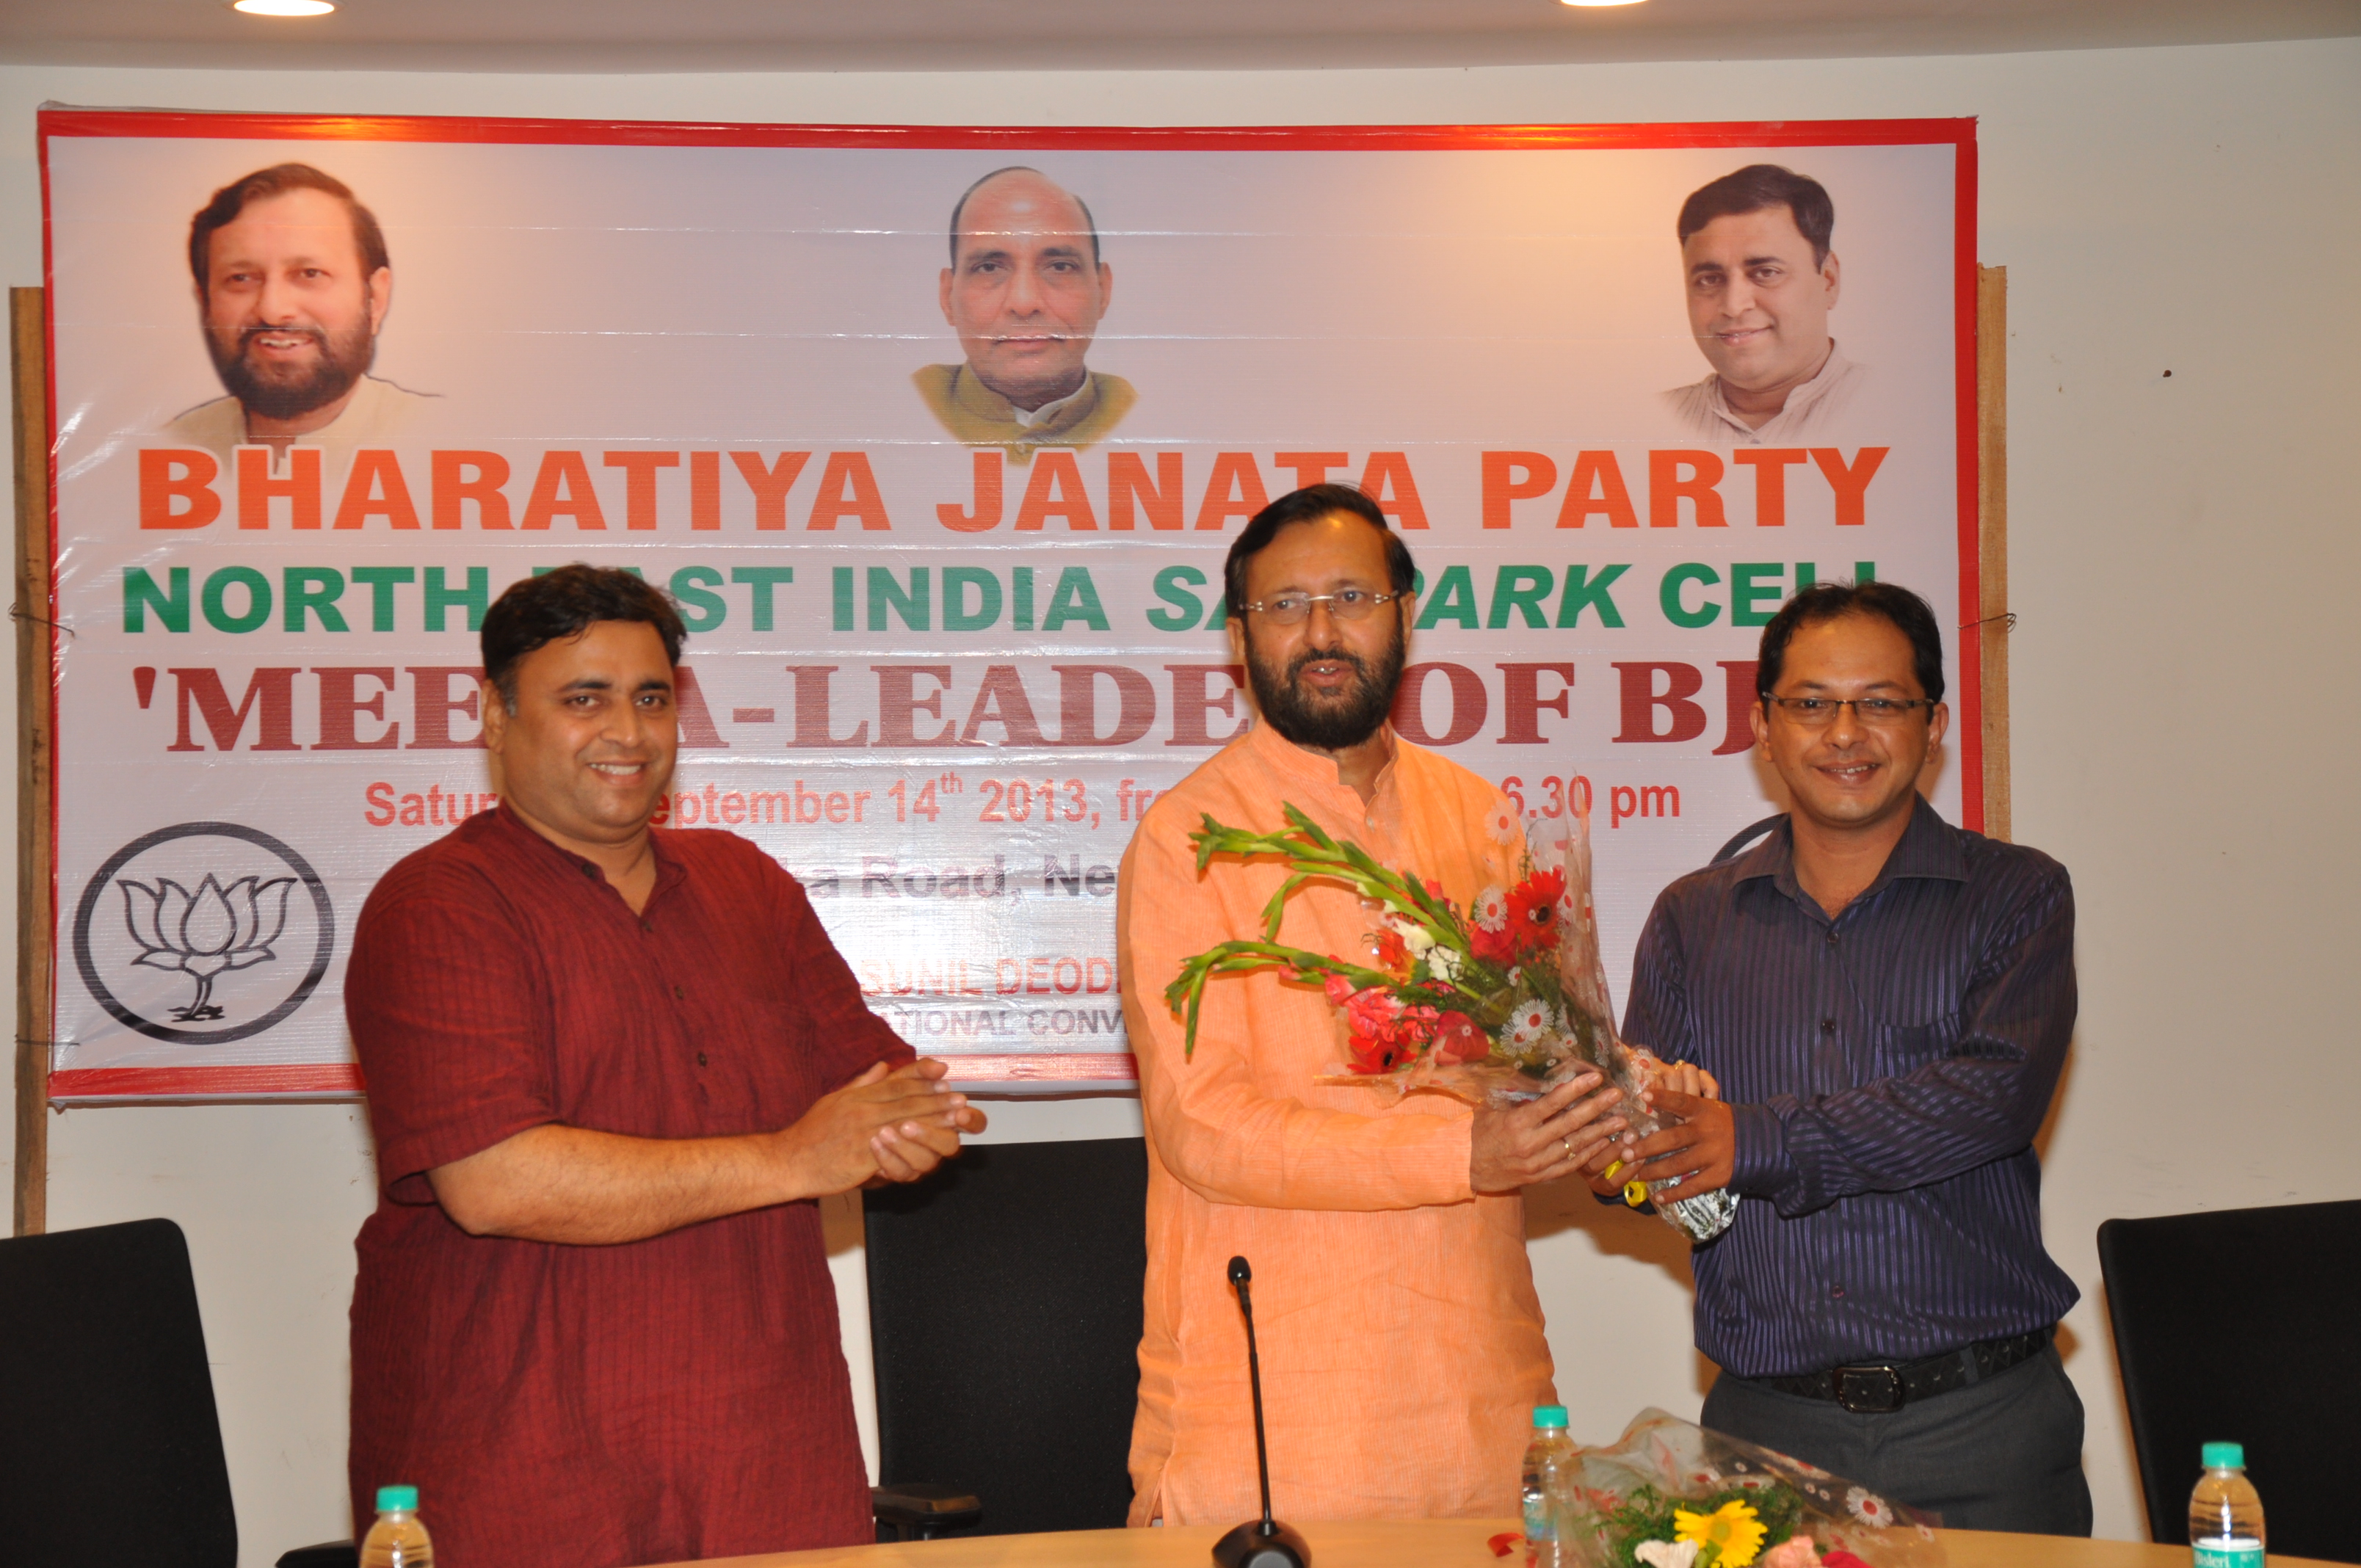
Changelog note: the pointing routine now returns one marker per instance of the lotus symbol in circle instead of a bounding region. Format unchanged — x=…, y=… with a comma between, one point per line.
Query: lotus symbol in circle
x=206, y=933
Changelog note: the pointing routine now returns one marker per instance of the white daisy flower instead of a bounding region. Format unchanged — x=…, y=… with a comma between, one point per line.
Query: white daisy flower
x=1868, y=1507
x=1491, y=911
x=1503, y=825
x=1531, y=1021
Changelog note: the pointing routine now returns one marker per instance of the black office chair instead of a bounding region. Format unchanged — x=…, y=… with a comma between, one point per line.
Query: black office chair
x=2236, y=1326
x=1003, y=1320
x=110, y=1446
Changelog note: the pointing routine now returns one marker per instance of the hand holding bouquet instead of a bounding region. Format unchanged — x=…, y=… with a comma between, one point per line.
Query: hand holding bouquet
x=1495, y=1005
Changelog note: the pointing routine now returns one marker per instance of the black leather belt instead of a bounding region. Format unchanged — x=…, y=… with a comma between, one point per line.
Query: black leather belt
x=1880, y=1390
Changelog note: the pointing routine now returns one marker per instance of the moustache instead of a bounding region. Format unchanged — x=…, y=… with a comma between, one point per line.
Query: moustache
x=1296, y=665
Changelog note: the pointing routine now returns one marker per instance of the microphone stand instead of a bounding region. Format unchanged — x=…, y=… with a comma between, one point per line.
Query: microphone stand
x=1264, y=1542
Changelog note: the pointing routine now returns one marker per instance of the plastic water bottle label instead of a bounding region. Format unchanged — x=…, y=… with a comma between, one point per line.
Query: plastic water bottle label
x=2228, y=1552
x=1541, y=1528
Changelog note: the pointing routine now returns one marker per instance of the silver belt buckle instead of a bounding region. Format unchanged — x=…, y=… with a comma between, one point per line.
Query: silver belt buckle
x=1870, y=1390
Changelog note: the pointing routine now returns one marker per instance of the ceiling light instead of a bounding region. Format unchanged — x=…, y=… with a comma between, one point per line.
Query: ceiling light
x=287, y=7
x=1590, y=3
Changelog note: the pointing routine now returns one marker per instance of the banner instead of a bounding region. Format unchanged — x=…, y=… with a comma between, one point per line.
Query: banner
x=939, y=438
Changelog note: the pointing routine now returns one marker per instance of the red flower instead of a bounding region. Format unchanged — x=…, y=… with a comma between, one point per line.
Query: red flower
x=1840, y=1558
x=1386, y=1031
x=1393, y=954
x=1532, y=913
x=1457, y=1039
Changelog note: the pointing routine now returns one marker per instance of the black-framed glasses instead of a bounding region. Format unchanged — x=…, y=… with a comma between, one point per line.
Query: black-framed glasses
x=1819, y=712
x=1345, y=604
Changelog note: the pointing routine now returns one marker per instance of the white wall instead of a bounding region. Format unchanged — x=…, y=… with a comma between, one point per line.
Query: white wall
x=2184, y=728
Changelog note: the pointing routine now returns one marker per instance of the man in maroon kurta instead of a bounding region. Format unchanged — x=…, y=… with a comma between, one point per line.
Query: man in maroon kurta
x=594, y=1323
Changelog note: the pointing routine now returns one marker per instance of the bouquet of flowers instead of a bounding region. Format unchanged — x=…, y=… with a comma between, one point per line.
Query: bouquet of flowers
x=1496, y=1005
x=1669, y=1494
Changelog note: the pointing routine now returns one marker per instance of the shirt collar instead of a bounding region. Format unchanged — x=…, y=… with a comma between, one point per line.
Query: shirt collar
x=669, y=867
x=1832, y=371
x=978, y=398
x=1929, y=848
x=1295, y=765
x=1027, y=418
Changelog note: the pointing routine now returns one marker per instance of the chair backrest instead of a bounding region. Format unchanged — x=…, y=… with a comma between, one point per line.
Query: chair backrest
x=1004, y=1321
x=110, y=1446
x=2238, y=1326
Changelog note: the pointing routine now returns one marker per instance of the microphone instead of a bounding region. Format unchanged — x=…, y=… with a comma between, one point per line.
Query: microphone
x=1264, y=1542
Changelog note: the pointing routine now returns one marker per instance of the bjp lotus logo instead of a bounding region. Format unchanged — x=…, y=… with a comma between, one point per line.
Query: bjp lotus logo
x=234, y=913
x=205, y=932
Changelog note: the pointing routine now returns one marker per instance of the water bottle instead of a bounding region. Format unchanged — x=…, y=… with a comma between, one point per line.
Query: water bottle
x=397, y=1540
x=2226, y=1517
x=1549, y=1471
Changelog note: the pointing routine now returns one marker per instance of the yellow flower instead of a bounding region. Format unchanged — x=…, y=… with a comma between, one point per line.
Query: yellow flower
x=1731, y=1530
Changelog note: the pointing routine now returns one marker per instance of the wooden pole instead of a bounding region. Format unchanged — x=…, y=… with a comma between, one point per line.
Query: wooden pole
x=35, y=771
x=1992, y=531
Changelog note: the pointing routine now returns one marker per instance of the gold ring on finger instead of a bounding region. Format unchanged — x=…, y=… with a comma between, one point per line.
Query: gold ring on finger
x=1569, y=1147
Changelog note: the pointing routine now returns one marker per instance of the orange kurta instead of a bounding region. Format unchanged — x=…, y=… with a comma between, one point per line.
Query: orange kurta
x=1401, y=1339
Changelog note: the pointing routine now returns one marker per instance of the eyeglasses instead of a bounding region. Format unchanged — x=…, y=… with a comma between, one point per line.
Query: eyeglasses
x=1345, y=604
x=1819, y=712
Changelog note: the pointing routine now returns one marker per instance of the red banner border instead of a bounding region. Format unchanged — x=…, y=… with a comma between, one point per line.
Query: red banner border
x=80, y=122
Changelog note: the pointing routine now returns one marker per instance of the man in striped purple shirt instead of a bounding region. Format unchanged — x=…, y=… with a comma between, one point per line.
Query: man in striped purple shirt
x=1885, y=1001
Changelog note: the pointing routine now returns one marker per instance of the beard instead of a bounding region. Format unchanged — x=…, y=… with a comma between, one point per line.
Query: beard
x=1328, y=724
x=287, y=391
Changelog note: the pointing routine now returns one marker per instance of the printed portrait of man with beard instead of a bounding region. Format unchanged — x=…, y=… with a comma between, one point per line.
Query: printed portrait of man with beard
x=293, y=284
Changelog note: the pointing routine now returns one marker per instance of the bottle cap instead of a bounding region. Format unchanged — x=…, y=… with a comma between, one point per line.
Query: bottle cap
x=1549, y=1416
x=2221, y=1455
x=403, y=1498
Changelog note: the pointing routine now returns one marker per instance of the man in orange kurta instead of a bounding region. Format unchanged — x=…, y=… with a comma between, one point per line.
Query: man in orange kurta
x=1402, y=1341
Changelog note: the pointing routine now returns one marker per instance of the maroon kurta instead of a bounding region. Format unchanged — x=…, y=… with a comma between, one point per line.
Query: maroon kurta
x=676, y=1398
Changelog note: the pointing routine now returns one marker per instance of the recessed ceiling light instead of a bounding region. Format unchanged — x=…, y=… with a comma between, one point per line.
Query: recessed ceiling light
x=288, y=7
x=1594, y=3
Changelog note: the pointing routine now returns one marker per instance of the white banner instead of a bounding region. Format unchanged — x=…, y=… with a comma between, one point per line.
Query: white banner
x=940, y=658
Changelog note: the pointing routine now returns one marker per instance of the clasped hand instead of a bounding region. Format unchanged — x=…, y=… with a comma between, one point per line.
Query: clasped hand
x=889, y=1125
x=1563, y=1132
x=1697, y=1141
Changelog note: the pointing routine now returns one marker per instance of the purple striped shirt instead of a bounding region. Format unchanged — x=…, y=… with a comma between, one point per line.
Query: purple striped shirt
x=1886, y=1072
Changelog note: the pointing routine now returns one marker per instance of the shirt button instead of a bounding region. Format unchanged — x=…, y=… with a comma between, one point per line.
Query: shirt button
x=680, y=991
x=700, y=1061
x=1837, y=1292
x=591, y=870
x=646, y=924
x=1832, y=937
x=1827, y=1026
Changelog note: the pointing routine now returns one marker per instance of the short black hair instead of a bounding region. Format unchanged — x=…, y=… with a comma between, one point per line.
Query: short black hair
x=277, y=181
x=1311, y=504
x=960, y=206
x=1757, y=188
x=1890, y=602
x=563, y=604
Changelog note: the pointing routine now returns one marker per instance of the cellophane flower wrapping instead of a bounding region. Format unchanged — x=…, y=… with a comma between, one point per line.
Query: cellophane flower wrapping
x=1669, y=1481
x=1584, y=1037
x=1550, y=1017
x=1496, y=1005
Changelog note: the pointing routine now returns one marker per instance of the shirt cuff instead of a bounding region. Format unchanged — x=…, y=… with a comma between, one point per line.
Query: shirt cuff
x=1450, y=1157
x=1760, y=1148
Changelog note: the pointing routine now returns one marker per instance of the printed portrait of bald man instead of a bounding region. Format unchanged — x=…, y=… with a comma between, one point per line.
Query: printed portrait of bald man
x=1025, y=291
